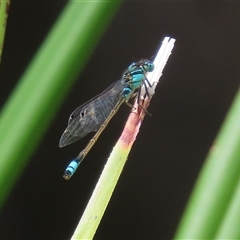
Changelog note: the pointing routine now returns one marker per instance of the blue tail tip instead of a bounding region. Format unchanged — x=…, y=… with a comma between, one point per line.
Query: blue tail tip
x=67, y=175
x=71, y=168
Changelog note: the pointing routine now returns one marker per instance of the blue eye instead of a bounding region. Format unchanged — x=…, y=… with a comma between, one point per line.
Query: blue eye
x=151, y=67
x=148, y=66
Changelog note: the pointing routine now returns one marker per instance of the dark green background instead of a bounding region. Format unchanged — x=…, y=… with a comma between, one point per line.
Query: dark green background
x=195, y=92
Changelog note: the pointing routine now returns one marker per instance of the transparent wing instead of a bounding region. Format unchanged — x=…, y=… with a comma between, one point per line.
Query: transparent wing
x=92, y=114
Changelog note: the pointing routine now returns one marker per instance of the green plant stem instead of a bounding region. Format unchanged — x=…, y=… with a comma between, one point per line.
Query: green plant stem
x=229, y=228
x=47, y=80
x=108, y=180
x=4, y=7
x=216, y=184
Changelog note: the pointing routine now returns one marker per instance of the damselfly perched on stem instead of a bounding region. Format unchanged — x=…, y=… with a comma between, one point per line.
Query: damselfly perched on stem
x=95, y=114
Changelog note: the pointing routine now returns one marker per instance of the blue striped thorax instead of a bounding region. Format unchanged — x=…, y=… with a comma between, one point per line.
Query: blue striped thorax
x=135, y=76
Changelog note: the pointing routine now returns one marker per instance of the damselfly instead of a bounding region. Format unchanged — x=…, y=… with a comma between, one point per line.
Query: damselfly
x=95, y=114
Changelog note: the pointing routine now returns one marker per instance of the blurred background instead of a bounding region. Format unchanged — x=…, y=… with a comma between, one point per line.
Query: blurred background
x=191, y=101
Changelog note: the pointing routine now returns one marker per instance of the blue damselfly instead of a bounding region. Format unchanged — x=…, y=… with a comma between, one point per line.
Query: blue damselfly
x=95, y=114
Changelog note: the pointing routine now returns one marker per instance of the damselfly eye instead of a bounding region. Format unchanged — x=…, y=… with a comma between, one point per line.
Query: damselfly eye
x=148, y=66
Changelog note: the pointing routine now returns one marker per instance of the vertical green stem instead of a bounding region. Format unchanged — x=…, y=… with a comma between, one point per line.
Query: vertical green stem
x=229, y=228
x=4, y=7
x=217, y=183
x=46, y=81
x=108, y=180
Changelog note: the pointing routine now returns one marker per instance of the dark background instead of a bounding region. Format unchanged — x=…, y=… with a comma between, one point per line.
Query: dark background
x=196, y=90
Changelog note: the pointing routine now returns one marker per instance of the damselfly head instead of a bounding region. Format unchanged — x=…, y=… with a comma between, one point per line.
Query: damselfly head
x=148, y=66
x=145, y=64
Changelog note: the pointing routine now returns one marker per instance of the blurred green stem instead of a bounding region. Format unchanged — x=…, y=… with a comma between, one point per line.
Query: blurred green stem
x=217, y=183
x=40, y=91
x=4, y=7
x=229, y=228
